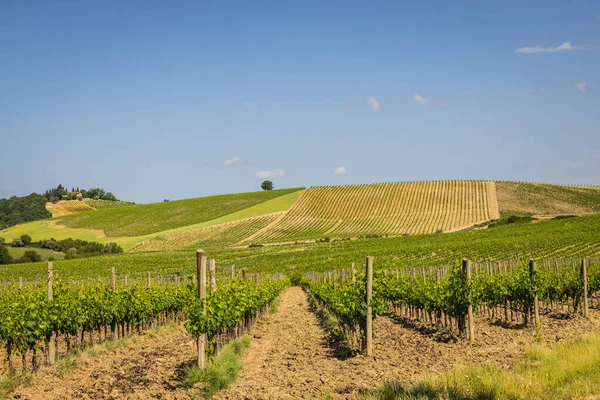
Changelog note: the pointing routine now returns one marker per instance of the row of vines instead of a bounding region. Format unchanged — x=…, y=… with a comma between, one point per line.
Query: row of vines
x=42, y=323
x=441, y=296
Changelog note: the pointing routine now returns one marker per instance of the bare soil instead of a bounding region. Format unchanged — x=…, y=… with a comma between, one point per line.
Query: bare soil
x=290, y=357
x=149, y=367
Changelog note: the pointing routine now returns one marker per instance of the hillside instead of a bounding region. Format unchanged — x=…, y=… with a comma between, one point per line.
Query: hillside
x=138, y=220
x=68, y=207
x=389, y=208
x=540, y=199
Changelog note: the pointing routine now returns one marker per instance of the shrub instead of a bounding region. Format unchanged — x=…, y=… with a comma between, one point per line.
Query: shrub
x=2, y=241
x=5, y=257
x=26, y=239
x=29, y=256
x=17, y=242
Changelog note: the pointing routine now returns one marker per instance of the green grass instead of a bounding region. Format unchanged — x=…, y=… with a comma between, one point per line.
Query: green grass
x=569, y=370
x=17, y=252
x=220, y=372
x=138, y=220
x=43, y=230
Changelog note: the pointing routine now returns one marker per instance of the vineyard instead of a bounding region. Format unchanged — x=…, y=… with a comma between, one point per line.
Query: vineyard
x=42, y=323
x=138, y=220
x=216, y=235
x=67, y=207
x=447, y=297
x=394, y=208
x=553, y=239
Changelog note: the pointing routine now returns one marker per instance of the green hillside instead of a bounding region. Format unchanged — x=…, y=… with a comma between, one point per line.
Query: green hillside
x=563, y=238
x=137, y=220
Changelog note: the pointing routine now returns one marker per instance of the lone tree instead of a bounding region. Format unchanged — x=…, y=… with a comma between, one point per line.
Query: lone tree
x=267, y=185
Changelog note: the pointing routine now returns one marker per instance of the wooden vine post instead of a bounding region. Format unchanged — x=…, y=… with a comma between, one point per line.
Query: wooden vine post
x=244, y=275
x=536, y=307
x=201, y=273
x=585, y=287
x=232, y=272
x=369, y=327
x=353, y=272
x=148, y=279
x=113, y=287
x=471, y=324
x=20, y=282
x=213, y=275
x=51, y=355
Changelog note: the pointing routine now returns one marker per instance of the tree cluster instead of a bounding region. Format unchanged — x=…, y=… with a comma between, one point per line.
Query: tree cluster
x=75, y=248
x=72, y=248
x=17, y=210
x=61, y=193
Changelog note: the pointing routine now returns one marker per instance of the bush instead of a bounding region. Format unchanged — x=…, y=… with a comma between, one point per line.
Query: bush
x=5, y=257
x=2, y=241
x=71, y=253
x=26, y=239
x=29, y=256
x=17, y=242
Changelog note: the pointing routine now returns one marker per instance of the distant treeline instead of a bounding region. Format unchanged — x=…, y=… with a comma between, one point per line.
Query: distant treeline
x=61, y=193
x=17, y=210
x=72, y=248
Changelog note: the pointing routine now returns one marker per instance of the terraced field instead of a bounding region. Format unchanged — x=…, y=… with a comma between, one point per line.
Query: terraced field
x=389, y=208
x=138, y=220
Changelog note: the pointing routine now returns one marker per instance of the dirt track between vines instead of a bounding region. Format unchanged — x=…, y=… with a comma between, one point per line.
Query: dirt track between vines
x=290, y=358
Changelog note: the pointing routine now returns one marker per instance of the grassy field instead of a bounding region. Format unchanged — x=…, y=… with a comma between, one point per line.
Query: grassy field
x=17, y=252
x=138, y=220
x=525, y=199
x=389, y=208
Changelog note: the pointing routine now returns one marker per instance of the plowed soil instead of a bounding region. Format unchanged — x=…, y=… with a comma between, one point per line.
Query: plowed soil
x=290, y=358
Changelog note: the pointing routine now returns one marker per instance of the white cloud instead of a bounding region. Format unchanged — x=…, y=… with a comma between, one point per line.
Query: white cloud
x=270, y=174
x=420, y=99
x=580, y=85
x=340, y=171
x=373, y=103
x=233, y=161
x=566, y=46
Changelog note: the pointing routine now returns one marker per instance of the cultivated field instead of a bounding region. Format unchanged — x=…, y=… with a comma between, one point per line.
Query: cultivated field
x=390, y=208
x=138, y=220
x=316, y=345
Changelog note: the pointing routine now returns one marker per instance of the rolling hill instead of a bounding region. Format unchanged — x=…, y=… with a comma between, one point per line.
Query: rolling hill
x=292, y=215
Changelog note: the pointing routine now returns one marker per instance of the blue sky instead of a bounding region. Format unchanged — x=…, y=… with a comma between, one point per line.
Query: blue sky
x=155, y=100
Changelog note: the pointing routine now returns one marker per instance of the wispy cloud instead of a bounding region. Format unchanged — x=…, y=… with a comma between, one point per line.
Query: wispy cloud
x=420, y=99
x=232, y=161
x=340, y=171
x=374, y=103
x=270, y=174
x=566, y=46
x=580, y=85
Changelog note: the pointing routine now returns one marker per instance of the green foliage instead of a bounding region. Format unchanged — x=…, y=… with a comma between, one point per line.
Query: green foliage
x=29, y=256
x=2, y=241
x=28, y=319
x=81, y=248
x=61, y=193
x=145, y=219
x=232, y=303
x=26, y=239
x=17, y=242
x=266, y=185
x=5, y=257
x=17, y=210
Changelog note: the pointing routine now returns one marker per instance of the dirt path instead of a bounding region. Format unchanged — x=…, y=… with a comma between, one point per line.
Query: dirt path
x=147, y=368
x=289, y=357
